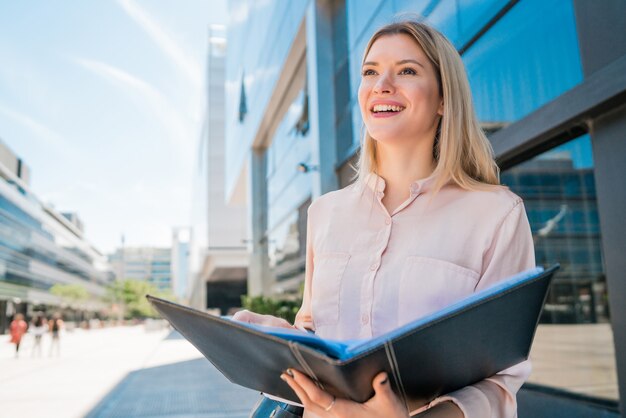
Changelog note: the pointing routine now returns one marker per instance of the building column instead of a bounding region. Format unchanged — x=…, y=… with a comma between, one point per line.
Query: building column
x=320, y=80
x=608, y=139
x=259, y=278
x=601, y=44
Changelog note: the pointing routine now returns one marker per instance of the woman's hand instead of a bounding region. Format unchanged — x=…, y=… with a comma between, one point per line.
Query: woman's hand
x=384, y=403
x=258, y=319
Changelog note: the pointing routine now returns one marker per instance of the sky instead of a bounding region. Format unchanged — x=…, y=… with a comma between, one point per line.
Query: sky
x=104, y=101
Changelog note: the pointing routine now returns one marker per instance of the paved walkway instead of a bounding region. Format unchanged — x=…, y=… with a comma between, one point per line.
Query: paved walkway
x=117, y=372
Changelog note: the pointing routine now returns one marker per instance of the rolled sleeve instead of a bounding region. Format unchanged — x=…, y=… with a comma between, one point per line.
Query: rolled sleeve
x=494, y=397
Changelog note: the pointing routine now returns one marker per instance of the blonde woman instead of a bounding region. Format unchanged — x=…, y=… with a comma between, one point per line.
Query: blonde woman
x=425, y=224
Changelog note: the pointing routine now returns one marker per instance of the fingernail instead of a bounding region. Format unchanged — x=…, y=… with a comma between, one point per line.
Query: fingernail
x=289, y=372
x=282, y=376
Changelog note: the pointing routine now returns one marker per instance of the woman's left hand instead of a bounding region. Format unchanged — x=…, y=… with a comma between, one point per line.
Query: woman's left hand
x=384, y=403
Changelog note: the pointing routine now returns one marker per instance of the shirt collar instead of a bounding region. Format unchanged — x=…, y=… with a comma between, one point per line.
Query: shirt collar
x=377, y=184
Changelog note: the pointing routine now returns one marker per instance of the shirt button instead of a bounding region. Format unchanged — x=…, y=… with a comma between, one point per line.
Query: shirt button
x=374, y=266
x=387, y=221
x=365, y=319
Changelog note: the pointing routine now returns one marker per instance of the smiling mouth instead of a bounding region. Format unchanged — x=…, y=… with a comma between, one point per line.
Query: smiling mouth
x=387, y=109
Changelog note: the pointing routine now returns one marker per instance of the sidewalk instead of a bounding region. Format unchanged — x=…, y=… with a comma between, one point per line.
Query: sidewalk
x=117, y=372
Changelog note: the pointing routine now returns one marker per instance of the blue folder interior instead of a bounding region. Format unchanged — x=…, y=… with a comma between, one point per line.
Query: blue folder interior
x=344, y=350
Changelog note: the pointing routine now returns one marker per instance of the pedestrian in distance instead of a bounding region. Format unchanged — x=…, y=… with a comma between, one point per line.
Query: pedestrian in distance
x=425, y=224
x=38, y=328
x=55, y=325
x=17, y=329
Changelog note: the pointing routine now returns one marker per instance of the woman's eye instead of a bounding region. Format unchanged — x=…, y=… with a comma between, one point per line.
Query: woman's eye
x=368, y=72
x=409, y=71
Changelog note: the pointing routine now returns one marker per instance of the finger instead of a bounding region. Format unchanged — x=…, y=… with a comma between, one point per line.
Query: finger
x=318, y=396
x=384, y=395
x=242, y=316
x=301, y=394
x=381, y=384
x=273, y=321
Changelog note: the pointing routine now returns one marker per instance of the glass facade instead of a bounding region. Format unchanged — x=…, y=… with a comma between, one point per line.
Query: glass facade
x=559, y=193
x=38, y=249
x=256, y=54
x=151, y=264
x=289, y=191
x=523, y=61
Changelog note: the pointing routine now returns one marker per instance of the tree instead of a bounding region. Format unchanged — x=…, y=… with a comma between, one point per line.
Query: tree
x=70, y=293
x=130, y=296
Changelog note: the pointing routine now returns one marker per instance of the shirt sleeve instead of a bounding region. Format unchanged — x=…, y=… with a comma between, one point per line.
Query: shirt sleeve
x=304, y=317
x=511, y=252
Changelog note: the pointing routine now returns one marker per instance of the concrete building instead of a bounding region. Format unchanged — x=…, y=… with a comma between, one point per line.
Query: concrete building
x=40, y=247
x=549, y=84
x=219, y=255
x=181, y=237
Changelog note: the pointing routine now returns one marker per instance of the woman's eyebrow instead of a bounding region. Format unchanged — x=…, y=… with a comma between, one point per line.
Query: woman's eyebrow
x=406, y=61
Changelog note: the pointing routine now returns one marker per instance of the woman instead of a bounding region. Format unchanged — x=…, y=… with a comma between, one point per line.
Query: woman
x=55, y=325
x=17, y=329
x=425, y=225
x=38, y=328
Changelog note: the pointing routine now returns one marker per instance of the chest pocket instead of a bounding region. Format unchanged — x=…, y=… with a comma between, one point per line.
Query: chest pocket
x=429, y=284
x=328, y=269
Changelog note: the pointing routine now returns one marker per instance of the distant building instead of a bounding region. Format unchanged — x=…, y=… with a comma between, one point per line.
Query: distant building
x=40, y=247
x=150, y=264
x=218, y=257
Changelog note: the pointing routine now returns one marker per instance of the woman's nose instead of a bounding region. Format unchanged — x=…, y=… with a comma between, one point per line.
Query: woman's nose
x=384, y=84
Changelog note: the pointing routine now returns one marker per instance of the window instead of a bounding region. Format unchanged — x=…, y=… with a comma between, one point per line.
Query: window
x=573, y=347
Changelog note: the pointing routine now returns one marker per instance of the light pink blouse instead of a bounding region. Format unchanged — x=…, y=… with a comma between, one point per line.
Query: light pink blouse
x=369, y=271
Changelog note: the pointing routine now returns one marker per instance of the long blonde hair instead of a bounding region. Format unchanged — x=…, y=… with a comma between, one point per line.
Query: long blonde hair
x=463, y=153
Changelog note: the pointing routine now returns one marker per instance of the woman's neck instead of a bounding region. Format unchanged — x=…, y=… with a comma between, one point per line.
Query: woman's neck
x=401, y=167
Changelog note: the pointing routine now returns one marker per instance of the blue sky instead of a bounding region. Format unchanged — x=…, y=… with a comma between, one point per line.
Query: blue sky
x=104, y=100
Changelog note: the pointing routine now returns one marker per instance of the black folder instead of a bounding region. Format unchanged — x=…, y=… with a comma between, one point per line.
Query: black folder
x=431, y=356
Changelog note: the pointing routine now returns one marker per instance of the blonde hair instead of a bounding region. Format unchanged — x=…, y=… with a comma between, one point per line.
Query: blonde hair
x=463, y=153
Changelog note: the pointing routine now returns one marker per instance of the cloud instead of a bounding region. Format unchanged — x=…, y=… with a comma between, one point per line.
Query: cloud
x=191, y=69
x=41, y=131
x=178, y=131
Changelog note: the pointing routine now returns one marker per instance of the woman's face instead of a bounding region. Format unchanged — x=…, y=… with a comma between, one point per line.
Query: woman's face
x=399, y=96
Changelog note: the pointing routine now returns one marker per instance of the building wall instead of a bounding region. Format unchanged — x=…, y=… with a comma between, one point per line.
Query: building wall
x=40, y=248
x=257, y=55
x=218, y=247
x=181, y=237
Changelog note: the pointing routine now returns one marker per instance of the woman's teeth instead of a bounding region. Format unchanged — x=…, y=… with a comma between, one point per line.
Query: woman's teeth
x=387, y=108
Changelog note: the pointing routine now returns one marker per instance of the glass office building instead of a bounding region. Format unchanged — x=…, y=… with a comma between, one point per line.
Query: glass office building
x=40, y=247
x=150, y=264
x=549, y=85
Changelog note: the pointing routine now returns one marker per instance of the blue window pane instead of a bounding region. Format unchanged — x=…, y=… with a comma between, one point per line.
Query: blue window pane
x=526, y=59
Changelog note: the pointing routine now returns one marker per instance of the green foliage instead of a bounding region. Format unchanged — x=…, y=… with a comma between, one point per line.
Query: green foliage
x=130, y=295
x=70, y=292
x=286, y=309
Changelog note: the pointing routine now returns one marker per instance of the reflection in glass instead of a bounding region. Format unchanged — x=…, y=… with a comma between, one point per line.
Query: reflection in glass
x=287, y=250
x=529, y=57
x=573, y=348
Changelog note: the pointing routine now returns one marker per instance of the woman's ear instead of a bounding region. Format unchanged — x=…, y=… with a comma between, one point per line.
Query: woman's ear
x=440, y=110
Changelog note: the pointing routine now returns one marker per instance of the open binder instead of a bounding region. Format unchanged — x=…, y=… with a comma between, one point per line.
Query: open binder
x=452, y=348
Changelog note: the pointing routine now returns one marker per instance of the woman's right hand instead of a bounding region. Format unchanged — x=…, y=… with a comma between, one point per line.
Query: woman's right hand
x=258, y=319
